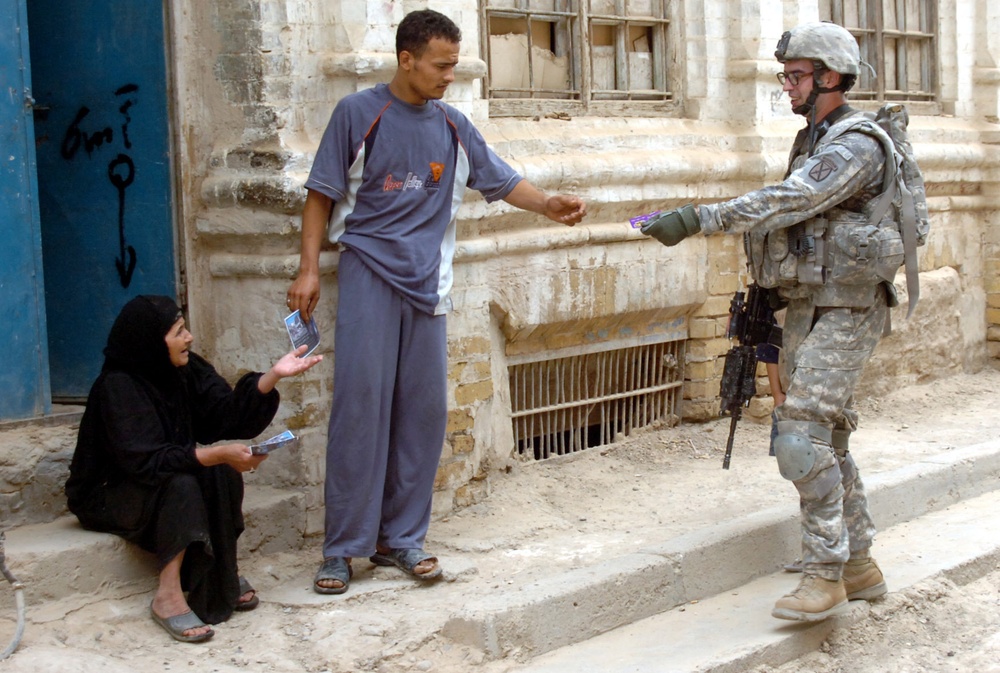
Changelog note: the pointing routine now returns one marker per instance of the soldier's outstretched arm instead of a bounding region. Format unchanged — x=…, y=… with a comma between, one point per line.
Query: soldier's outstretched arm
x=673, y=226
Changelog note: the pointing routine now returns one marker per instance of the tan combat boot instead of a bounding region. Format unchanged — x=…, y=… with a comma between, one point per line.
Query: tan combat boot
x=863, y=580
x=813, y=600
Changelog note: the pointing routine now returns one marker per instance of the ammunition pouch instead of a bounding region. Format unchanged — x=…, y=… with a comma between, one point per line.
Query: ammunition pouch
x=865, y=254
x=841, y=249
x=771, y=263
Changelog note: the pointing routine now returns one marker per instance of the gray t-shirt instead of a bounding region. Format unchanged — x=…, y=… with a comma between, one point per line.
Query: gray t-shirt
x=398, y=173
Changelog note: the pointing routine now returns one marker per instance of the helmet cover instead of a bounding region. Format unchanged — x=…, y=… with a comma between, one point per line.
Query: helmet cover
x=832, y=45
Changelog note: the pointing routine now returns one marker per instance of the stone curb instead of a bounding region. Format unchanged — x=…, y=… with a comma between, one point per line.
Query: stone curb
x=581, y=603
x=730, y=632
x=85, y=562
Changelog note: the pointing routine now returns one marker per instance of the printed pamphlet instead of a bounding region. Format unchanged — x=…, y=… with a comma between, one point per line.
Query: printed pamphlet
x=301, y=332
x=286, y=438
x=640, y=220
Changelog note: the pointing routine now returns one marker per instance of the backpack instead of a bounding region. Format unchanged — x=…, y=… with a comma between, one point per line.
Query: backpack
x=893, y=119
x=904, y=198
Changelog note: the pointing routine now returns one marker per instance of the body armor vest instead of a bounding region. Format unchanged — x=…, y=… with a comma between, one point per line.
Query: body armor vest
x=839, y=257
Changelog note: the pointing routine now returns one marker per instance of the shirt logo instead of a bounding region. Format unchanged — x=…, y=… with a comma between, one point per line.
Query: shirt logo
x=412, y=182
x=823, y=169
x=431, y=183
x=391, y=184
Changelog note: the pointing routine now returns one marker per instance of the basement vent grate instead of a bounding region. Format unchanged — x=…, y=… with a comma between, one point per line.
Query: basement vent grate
x=569, y=404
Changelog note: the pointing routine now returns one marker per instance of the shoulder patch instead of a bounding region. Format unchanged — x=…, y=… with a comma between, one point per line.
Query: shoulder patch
x=823, y=169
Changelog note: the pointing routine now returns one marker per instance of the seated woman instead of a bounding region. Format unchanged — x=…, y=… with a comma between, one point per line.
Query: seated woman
x=137, y=471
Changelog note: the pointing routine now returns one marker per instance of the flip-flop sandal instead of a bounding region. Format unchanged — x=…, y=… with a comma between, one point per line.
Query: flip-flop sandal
x=178, y=624
x=245, y=588
x=333, y=568
x=407, y=560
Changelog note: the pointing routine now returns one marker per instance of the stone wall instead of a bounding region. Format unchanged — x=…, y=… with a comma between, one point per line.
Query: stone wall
x=257, y=79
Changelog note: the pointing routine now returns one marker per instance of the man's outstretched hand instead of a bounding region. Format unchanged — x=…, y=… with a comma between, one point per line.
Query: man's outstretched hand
x=565, y=209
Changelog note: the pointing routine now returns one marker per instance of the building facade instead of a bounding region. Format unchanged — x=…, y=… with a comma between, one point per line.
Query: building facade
x=160, y=146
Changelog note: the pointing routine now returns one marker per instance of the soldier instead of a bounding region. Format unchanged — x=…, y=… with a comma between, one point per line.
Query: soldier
x=798, y=236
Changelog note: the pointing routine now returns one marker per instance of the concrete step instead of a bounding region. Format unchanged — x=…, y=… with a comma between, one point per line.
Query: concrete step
x=34, y=462
x=481, y=615
x=578, y=605
x=733, y=630
x=83, y=561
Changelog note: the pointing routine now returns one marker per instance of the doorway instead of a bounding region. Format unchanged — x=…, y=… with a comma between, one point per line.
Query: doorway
x=24, y=376
x=99, y=80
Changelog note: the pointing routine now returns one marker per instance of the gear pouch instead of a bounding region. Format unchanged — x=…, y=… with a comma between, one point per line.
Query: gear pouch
x=863, y=254
x=771, y=263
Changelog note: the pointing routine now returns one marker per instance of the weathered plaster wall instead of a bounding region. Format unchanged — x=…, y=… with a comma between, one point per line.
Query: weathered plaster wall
x=257, y=80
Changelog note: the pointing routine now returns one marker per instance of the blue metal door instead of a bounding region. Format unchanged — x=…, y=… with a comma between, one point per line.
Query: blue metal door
x=24, y=386
x=104, y=174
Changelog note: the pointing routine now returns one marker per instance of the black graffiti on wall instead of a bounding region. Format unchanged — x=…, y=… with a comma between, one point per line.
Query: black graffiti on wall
x=84, y=134
x=121, y=172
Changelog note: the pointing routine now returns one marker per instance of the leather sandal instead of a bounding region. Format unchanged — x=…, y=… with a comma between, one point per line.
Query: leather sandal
x=334, y=568
x=407, y=560
x=178, y=624
x=245, y=588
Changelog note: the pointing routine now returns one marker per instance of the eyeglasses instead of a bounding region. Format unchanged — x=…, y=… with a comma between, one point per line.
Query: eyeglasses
x=793, y=77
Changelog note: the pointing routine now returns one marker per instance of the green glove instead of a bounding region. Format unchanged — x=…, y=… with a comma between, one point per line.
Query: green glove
x=674, y=226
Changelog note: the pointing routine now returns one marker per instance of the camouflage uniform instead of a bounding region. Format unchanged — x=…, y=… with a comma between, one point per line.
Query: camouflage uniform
x=830, y=329
x=827, y=242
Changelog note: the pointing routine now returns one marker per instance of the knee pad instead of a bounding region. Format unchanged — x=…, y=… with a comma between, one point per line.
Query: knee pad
x=796, y=455
x=824, y=483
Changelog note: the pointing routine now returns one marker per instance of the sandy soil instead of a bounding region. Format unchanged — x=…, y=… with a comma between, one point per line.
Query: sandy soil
x=933, y=627
x=540, y=519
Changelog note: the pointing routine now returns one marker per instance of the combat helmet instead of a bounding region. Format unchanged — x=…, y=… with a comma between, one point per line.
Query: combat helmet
x=826, y=42
x=831, y=48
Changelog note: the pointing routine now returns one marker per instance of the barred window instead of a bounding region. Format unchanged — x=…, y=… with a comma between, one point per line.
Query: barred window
x=572, y=54
x=899, y=39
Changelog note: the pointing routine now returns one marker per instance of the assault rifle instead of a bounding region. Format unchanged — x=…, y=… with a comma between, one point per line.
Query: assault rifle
x=751, y=322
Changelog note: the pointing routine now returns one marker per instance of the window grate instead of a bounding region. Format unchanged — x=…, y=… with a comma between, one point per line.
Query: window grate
x=569, y=404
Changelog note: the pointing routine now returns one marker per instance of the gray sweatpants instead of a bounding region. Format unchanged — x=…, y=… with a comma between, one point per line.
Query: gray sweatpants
x=388, y=418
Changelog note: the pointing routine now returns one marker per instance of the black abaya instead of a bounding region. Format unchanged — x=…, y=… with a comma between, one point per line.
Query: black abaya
x=134, y=472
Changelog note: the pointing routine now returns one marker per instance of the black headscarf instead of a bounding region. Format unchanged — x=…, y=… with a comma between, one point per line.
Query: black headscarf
x=136, y=342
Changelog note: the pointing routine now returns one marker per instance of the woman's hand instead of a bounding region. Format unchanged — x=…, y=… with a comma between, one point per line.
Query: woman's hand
x=290, y=364
x=237, y=456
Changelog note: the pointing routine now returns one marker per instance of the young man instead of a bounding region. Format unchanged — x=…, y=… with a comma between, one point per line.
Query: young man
x=391, y=168
x=833, y=319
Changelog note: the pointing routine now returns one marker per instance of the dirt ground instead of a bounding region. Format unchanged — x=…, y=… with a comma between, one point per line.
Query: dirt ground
x=538, y=520
x=933, y=627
